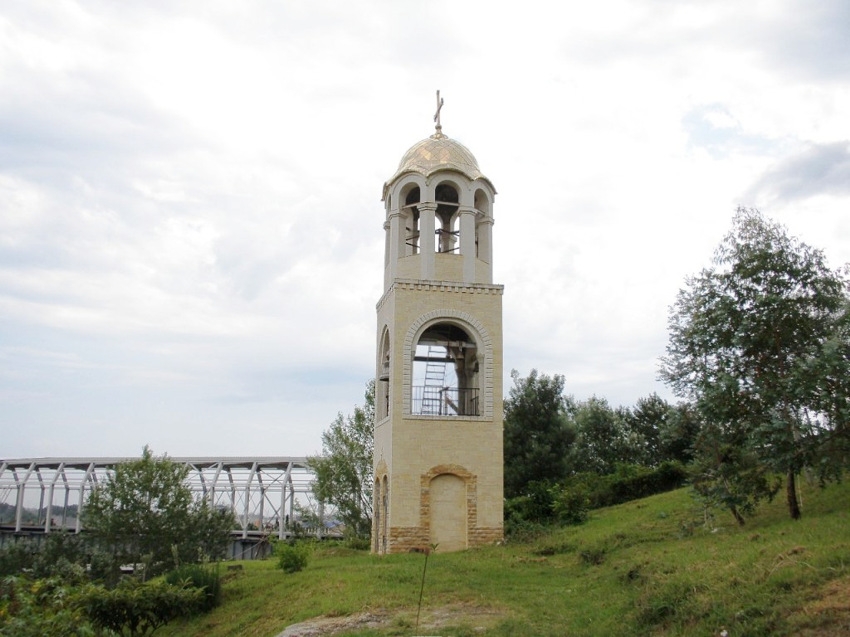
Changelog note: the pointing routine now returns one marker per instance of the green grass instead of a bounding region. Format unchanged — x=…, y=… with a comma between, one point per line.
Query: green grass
x=650, y=567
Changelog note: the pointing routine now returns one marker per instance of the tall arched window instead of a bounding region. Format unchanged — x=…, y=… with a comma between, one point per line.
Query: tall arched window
x=410, y=217
x=483, y=227
x=446, y=218
x=382, y=390
x=445, y=373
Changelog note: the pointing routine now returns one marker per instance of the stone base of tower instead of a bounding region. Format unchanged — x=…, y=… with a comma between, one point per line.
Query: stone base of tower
x=413, y=538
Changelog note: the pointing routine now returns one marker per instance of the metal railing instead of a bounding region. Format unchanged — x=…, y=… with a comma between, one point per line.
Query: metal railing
x=444, y=401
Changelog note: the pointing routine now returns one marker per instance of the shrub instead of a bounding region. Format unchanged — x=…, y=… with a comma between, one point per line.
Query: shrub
x=571, y=500
x=39, y=607
x=16, y=558
x=571, y=505
x=204, y=577
x=292, y=557
x=137, y=609
x=521, y=521
x=358, y=543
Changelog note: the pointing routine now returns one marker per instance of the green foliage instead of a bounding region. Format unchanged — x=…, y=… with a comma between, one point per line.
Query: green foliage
x=571, y=500
x=627, y=483
x=535, y=504
x=760, y=344
x=16, y=557
x=645, y=424
x=602, y=438
x=358, y=543
x=292, y=557
x=678, y=433
x=538, y=434
x=39, y=608
x=60, y=555
x=145, y=514
x=570, y=506
x=204, y=577
x=627, y=571
x=344, y=472
x=136, y=609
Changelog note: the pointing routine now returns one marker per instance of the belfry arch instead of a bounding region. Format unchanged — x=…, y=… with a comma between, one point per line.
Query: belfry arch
x=445, y=372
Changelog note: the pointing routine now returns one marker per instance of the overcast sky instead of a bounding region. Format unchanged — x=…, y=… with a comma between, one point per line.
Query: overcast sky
x=191, y=243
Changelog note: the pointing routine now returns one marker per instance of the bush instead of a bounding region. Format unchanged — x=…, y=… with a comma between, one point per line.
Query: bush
x=16, y=558
x=633, y=482
x=39, y=607
x=292, y=557
x=522, y=523
x=571, y=500
x=571, y=506
x=358, y=543
x=629, y=482
x=137, y=609
x=204, y=577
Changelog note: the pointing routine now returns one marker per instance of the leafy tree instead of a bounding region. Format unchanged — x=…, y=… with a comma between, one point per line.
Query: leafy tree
x=602, y=439
x=825, y=381
x=344, y=473
x=759, y=344
x=145, y=513
x=678, y=433
x=644, y=425
x=538, y=433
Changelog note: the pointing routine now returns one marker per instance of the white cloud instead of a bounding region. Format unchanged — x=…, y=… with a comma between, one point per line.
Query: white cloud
x=190, y=227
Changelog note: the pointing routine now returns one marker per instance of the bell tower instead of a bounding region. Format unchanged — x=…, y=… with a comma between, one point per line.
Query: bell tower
x=438, y=391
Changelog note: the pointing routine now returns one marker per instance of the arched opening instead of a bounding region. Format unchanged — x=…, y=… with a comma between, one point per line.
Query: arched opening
x=483, y=227
x=410, y=216
x=448, y=512
x=387, y=234
x=446, y=218
x=382, y=389
x=445, y=373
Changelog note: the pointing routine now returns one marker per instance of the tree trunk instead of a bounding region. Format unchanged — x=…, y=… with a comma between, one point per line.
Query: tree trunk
x=791, y=490
x=738, y=517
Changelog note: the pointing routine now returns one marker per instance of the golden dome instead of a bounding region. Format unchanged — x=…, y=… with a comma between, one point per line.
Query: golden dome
x=437, y=153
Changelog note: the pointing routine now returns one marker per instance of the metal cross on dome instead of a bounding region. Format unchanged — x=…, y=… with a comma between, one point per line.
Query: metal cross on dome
x=439, y=126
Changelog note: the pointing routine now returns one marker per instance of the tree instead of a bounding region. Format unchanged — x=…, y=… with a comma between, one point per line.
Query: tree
x=344, y=472
x=757, y=343
x=602, y=440
x=678, y=433
x=538, y=434
x=644, y=425
x=145, y=513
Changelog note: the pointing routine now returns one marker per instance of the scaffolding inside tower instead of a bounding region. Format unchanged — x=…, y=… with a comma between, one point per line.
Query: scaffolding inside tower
x=445, y=373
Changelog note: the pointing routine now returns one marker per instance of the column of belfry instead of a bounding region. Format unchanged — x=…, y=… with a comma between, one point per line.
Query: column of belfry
x=438, y=429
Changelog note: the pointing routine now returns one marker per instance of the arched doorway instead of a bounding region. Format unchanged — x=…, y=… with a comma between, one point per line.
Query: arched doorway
x=448, y=512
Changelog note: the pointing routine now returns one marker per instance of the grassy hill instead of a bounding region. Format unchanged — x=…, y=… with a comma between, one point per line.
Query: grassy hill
x=656, y=566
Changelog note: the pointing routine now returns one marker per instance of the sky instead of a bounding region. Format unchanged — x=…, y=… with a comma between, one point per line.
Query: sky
x=191, y=242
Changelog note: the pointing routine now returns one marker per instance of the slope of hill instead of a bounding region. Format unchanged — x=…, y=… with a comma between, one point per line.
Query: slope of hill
x=658, y=566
